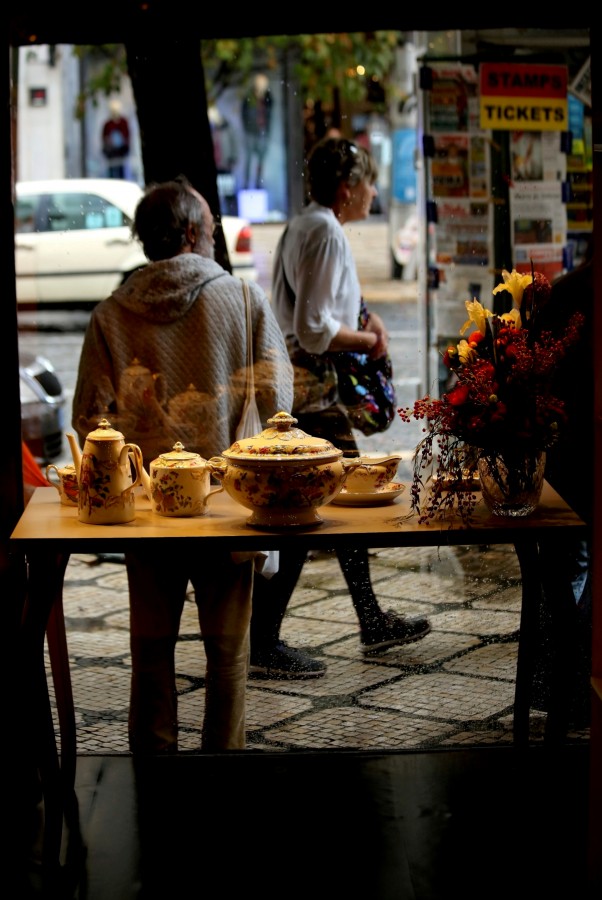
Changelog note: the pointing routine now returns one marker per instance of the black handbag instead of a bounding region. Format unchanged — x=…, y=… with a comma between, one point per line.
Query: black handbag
x=366, y=390
x=362, y=385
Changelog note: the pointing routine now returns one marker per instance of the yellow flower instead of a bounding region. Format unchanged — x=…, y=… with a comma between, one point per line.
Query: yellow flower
x=514, y=283
x=466, y=353
x=512, y=318
x=477, y=314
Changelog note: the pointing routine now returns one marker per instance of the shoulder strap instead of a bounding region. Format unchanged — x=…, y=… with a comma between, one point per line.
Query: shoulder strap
x=250, y=373
x=289, y=291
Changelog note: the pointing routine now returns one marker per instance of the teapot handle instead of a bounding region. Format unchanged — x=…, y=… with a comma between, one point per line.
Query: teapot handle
x=134, y=454
x=55, y=484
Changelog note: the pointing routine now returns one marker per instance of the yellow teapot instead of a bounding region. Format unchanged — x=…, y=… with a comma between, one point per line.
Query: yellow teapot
x=179, y=483
x=108, y=470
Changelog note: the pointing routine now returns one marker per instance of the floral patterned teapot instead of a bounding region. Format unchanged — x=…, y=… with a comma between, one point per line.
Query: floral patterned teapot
x=179, y=483
x=108, y=470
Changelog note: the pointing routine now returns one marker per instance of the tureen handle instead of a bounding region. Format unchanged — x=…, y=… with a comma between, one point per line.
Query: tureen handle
x=282, y=421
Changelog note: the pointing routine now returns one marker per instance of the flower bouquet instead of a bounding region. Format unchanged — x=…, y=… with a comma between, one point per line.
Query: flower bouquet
x=501, y=414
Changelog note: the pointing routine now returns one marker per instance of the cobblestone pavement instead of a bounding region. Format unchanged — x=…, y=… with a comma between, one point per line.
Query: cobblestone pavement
x=455, y=687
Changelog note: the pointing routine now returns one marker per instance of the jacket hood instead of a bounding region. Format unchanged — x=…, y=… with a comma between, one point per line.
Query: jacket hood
x=164, y=291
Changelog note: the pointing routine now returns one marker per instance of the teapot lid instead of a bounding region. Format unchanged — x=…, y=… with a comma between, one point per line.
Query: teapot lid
x=179, y=458
x=136, y=368
x=282, y=442
x=105, y=432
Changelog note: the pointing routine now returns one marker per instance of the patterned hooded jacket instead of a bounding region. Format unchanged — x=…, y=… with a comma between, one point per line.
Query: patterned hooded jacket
x=164, y=358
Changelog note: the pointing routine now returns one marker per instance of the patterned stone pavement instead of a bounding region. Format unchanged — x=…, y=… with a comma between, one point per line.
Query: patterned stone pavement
x=454, y=687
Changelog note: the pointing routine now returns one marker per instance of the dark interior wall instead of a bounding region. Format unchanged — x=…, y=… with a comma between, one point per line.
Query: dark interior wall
x=63, y=23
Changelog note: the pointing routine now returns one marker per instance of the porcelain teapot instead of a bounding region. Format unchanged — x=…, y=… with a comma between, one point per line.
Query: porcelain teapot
x=66, y=481
x=179, y=483
x=106, y=480
x=138, y=385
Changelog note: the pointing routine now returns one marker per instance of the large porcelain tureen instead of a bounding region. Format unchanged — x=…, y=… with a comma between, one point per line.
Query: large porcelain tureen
x=282, y=474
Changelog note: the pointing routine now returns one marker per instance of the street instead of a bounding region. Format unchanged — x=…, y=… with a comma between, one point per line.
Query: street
x=58, y=334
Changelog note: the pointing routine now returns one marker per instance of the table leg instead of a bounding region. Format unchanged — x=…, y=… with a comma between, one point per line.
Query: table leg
x=556, y=578
x=61, y=677
x=44, y=615
x=528, y=559
x=546, y=577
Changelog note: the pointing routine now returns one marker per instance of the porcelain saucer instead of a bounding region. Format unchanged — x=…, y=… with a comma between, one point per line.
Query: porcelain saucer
x=370, y=498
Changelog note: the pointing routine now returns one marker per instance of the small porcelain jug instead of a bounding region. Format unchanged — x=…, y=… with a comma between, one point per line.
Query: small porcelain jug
x=374, y=473
x=179, y=483
x=106, y=482
x=67, y=484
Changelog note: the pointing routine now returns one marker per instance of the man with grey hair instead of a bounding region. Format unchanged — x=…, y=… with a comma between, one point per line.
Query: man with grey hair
x=182, y=319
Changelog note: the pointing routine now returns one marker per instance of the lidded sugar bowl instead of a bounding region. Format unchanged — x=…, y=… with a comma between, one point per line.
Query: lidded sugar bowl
x=179, y=483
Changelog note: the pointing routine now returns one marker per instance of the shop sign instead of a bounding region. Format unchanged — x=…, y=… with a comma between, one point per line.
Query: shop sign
x=523, y=97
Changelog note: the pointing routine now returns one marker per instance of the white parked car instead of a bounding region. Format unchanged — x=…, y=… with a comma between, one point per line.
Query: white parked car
x=73, y=241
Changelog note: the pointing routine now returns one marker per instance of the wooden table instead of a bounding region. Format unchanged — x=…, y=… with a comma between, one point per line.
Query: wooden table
x=48, y=533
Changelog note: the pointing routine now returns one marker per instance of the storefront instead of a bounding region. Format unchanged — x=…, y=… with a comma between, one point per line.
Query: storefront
x=40, y=24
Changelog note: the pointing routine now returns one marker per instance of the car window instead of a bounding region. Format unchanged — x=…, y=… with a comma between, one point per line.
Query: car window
x=25, y=210
x=80, y=212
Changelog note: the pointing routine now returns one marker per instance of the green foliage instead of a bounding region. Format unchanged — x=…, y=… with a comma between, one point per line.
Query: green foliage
x=325, y=65
x=108, y=64
x=331, y=61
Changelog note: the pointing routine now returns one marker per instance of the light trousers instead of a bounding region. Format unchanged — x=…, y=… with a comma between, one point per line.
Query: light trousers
x=223, y=591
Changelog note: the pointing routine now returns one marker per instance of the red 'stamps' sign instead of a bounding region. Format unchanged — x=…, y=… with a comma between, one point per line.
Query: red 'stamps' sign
x=523, y=97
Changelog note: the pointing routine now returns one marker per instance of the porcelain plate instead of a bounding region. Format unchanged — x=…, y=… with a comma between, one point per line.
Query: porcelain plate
x=370, y=498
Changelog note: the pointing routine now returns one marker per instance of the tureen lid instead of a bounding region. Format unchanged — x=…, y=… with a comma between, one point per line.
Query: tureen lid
x=283, y=442
x=178, y=457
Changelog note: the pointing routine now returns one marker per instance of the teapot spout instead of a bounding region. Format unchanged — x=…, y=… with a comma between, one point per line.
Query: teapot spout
x=75, y=453
x=146, y=483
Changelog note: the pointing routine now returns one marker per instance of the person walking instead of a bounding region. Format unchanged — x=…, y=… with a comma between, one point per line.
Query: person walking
x=115, y=138
x=181, y=317
x=316, y=297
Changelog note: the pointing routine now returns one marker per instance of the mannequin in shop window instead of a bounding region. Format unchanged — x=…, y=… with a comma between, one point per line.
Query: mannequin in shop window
x=225, y=151
x=256, y=119
x=116, y=141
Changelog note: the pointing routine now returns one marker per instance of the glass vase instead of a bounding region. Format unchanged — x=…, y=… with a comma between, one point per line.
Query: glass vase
x=511, y=482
